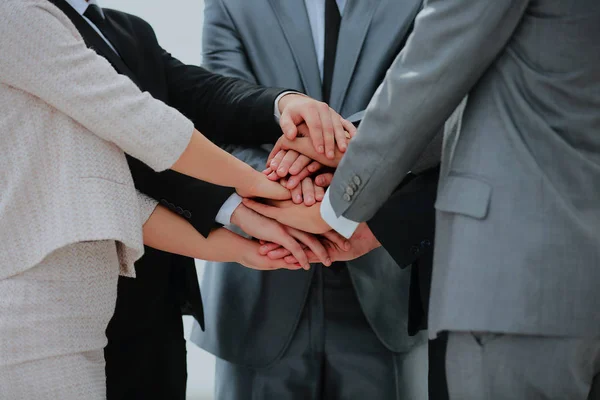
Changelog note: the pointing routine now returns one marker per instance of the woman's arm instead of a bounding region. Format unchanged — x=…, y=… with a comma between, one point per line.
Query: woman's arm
x=169, y=232
x=206, y=161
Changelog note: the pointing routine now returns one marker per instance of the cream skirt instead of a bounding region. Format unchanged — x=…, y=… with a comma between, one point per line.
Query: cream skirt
x=53, y=319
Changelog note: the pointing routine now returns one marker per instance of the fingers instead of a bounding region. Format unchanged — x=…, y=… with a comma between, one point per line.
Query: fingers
x=338, y=240
x=349, y=127
x=287, y=124
x=324, y=180
x=319, y=193
x=267, y=211
x=280, y=253
x=308, y=192
x=286, y=162
x=325, y=113
x=266, y=248
x=297, y=194
x=299, y=164
x=274, y=164
x=313, y=244
x=339, y=132
x=274, y=152
x=288, y=241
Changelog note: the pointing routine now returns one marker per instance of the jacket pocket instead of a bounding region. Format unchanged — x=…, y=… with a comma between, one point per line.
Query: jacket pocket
x=464, y=195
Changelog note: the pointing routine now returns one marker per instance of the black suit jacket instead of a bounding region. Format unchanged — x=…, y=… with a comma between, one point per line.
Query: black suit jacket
x=227, y=111
x=411, y=207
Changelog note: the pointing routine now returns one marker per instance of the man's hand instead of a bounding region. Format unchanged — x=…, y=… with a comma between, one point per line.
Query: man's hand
x=298, y=216
x=269, y=230
x=303, y=145
x=325, y=126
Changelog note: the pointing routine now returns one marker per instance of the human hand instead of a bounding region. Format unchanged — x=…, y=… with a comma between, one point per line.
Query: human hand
x=270, y=230
x=293, y=163
x=250, y=257
x=331, y=238
x=362, y=242
x=298, y=216
x=303, y=145
x=325, y=126
x=257, y=185
x=307, y=192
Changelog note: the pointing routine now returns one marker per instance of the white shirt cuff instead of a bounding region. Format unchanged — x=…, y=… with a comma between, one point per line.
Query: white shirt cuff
x=276, y=111
x=227, y=209
x=341, y=225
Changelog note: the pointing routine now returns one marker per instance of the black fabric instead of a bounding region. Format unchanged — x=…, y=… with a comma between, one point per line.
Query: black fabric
x=437, y=383
x=412, y=208
x=227, y=111
x=333, y=20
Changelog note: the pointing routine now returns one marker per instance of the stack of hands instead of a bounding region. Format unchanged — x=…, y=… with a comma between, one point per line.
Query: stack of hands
x=303, y=162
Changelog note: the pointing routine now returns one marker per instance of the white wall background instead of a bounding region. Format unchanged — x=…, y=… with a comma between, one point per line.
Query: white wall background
x=178, y=26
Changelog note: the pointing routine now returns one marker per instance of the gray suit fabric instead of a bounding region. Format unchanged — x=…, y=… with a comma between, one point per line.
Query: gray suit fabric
x=518, y=223
x=253, y=315
x=517, y=248
x=486, y=366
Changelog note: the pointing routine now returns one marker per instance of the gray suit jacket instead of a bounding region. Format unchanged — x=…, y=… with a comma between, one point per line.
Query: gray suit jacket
x=252, y=315
x=518, y=222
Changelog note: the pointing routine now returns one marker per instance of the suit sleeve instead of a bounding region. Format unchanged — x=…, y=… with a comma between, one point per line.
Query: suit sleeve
x=452, y=45
x=405, y=224
x=195, y=200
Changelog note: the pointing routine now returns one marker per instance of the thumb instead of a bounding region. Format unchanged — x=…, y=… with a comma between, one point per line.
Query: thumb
x=288, y=126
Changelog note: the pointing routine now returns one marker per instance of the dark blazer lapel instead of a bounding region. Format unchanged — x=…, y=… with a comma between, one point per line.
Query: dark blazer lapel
x=94, y=41
x=355, y=25
x=124, y=43
x=293, y=20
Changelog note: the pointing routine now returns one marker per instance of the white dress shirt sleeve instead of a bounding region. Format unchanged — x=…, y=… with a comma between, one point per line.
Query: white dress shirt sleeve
x=227, y=209
x=276, y=111
x=341, y=224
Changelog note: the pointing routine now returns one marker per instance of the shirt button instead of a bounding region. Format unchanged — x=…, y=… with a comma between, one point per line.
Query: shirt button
x=356, y=180
x=415, y=250
x=347, y=197
x=187, y=214
x=353, y=186
x=349, y=191
x=426, y=244
x=179, y=210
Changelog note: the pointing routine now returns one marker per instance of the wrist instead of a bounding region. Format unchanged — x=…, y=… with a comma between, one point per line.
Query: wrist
x=286, y=99
x=236, y=217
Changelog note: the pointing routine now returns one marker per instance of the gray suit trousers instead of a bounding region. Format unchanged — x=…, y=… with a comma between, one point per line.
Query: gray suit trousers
x=520, y=367
x=334, y=355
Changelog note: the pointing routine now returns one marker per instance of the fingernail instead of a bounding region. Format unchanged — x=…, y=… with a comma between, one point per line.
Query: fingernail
x=347, y=245
x=298, y=198
x=281, y=170
x=309, y=199
x=330, y=154
x=291, y=183
x=328, y=261
x=321, y=149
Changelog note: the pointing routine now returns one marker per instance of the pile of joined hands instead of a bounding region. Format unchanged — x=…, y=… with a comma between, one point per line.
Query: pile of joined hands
x=304, y=163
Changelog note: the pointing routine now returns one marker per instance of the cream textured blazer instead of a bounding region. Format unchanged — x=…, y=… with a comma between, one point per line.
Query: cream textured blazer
x=66, y=119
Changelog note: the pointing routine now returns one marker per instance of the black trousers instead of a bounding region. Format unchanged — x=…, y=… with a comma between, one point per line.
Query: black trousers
x=147, y=368
x=146, y=353
x=438, y=387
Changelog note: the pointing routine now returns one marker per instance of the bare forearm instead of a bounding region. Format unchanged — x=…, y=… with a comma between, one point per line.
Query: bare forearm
x=169, y=232
x=204, y=160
